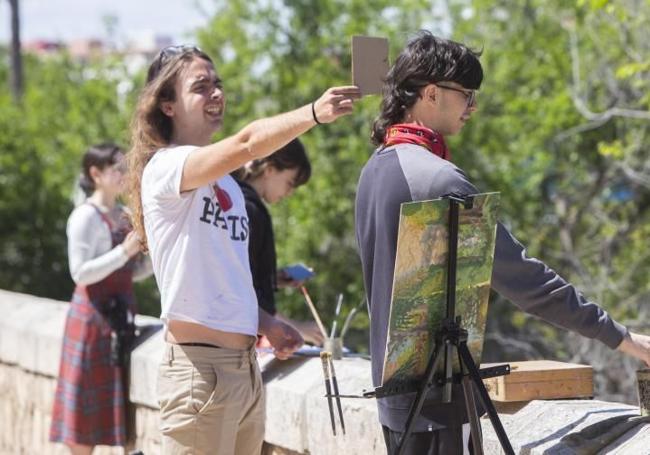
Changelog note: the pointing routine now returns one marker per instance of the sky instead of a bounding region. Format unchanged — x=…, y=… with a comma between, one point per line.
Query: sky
x=71, y=19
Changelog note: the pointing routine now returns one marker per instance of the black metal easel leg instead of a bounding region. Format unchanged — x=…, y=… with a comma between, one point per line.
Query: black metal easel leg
x=416, y=407
x=468, y=361
x=472, y=415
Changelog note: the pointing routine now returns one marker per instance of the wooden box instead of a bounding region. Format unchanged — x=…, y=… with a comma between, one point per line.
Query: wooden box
x=541, y=380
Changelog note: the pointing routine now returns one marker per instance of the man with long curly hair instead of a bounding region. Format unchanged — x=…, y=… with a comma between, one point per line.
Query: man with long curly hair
x=193, y=216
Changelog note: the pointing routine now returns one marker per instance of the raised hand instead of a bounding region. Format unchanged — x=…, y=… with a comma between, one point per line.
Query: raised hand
x=335, y=102
x=132, y=244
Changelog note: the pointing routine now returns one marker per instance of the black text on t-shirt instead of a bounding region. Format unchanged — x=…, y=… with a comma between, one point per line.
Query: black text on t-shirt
x=236, y=225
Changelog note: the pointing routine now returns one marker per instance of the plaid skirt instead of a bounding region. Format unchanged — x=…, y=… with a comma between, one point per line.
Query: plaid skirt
x=90, y=404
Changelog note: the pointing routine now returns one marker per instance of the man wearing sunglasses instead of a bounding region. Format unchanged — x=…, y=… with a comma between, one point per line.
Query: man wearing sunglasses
x=429, y=93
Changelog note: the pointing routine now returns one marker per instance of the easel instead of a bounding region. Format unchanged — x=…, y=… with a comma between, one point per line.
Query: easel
x=449, y=337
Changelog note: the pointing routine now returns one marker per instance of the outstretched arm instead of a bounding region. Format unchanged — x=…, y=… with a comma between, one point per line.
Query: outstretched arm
x=539, y=290
x=262, y=137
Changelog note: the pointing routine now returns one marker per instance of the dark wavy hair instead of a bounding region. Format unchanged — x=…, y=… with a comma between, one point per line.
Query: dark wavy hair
x=101, y=156
x=291, y=156
x=426, y=59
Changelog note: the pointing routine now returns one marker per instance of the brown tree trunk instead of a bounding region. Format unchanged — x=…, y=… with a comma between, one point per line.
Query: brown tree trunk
x=16, y=57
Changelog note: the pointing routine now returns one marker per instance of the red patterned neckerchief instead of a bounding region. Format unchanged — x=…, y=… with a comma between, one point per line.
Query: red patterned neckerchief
x=410, y=133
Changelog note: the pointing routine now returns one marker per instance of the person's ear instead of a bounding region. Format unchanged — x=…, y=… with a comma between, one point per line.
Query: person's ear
x=167, y=108
x=269, y=170
x=94, y=173
x=430, y=92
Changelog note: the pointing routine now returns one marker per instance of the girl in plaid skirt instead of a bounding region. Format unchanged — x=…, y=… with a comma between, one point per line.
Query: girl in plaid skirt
x=91, y=393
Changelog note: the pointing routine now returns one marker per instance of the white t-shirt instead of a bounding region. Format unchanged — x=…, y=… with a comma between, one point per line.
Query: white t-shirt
x=199, y=251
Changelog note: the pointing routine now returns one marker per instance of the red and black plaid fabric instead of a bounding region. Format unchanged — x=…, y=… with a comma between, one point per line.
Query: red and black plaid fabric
x=90, y=403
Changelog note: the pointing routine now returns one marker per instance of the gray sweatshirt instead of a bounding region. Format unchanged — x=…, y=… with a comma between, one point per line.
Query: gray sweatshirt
x=407, y=173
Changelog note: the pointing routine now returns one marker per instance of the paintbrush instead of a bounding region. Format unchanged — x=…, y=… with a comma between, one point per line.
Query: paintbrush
x=348, y=320
x=335, y=385
x=336, y=314
x=324, y=356
x=314, y=313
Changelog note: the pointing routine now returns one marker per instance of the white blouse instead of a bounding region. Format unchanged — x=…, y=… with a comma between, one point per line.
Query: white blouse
x=91, y=256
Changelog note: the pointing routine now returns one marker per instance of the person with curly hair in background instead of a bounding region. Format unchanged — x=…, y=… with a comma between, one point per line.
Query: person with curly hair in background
x=268, y=181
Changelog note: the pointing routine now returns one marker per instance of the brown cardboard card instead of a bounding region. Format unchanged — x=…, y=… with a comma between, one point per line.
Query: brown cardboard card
x=369, y=63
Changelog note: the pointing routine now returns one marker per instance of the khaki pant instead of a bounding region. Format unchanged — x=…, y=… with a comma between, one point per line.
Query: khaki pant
x=211, y=401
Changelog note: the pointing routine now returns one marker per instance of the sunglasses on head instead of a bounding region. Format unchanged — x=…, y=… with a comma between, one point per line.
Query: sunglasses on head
x=172, y=51
x=166, y=54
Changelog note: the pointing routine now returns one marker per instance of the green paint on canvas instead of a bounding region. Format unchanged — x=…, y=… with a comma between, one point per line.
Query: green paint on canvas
x=419, y=285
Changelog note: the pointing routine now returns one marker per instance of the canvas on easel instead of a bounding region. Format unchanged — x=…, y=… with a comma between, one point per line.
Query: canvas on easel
x=418, y=302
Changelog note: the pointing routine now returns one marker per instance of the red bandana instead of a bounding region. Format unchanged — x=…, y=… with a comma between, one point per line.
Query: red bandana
x=409, y=133
x=223, y=198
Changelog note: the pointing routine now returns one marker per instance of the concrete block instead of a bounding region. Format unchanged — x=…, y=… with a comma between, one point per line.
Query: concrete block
x=46, y=340
x=636, y=441
x=31, y=331
x=287, y=385
x=298, y=415
x=538, y=428
x=144, y=368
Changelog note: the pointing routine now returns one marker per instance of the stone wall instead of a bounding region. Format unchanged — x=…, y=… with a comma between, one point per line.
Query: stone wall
x=31, y=330
x=30, y=346
x=297, y=416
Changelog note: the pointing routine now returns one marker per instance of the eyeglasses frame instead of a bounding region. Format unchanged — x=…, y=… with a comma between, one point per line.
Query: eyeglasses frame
x=471, y=96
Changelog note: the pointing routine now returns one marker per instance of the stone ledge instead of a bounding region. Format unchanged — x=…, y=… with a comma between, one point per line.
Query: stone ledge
x=31, y=332
x=144, y=370
x=539, y=427
x=297, y=411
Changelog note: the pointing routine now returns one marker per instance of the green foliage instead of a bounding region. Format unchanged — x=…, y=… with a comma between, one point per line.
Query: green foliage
x=565, y=178
x=67, y=106
x=561, y=131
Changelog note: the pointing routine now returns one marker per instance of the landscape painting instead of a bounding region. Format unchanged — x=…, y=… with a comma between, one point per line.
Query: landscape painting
x=418, y=303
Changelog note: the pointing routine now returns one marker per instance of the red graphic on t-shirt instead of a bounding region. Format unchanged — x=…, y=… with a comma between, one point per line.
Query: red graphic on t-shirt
x=223, y=198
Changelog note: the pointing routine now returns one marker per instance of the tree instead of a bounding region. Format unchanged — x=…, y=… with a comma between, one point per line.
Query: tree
x=561, y=133
x=66, y=108
x=276, y=55
x=16, y=57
